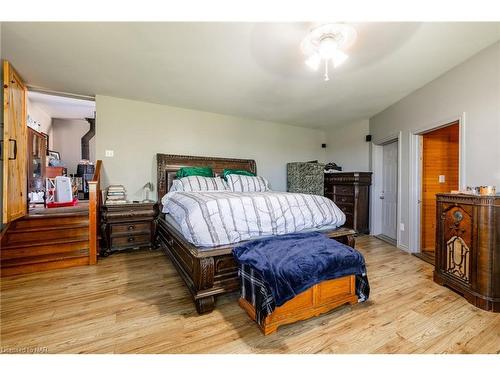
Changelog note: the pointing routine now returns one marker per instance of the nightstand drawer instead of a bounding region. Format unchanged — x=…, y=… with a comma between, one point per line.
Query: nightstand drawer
x=130, y=227
x=132, y=240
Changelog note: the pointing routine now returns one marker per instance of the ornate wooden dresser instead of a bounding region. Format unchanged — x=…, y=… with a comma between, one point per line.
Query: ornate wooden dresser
x=351, y=193
x=305, y=178
x=468, y=247
x=128, y=226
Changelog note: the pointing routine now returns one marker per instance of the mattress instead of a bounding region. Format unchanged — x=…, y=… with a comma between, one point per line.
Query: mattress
x=220, y=218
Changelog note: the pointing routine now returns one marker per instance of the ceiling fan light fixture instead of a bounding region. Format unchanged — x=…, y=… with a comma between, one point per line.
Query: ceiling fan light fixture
x=327, y=47
x=327, y=43
x=339, y=58
x=313, y=61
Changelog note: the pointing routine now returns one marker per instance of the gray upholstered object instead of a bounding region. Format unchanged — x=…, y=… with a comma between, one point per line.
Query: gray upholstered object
x=305, y=178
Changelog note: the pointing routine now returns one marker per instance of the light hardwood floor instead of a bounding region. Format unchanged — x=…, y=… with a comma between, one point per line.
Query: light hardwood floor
x=136, y=303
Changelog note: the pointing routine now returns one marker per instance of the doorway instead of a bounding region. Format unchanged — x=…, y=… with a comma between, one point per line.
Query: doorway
x=61, y=143
x=439, y=173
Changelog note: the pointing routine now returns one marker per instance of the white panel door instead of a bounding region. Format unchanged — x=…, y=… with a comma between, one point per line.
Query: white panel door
x=389, y=193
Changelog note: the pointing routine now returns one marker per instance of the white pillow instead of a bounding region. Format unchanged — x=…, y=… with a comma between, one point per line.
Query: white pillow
x=242, y=183
x=199, y=183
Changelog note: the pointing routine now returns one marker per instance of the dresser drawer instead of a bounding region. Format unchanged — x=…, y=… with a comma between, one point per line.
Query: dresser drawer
x=343, y=189
x=343, y=199
x=131, y=240
x=346, y=208
x=130, y=227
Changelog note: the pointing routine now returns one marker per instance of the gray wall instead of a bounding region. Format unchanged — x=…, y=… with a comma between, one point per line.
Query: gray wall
x=346, y=146
x=66, y=139
x=472, y=87
x=136, y=131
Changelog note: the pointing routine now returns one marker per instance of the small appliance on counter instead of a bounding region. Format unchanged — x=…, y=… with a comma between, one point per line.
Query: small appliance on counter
x=64, y=190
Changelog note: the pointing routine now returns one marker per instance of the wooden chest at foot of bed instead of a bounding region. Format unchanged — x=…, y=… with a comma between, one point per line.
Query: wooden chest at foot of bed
x=316, y=300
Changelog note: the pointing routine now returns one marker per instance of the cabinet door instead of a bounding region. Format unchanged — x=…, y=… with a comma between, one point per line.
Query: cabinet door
x=15, y=145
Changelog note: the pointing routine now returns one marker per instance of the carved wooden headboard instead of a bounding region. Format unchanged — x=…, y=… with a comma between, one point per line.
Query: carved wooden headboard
x=168, y=165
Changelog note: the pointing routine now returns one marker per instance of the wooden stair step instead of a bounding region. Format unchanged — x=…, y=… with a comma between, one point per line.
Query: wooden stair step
x=44, y=258
x=47, y=228
x=44, y=266
x=48, y=221
x=42, y=249
x=80, y=210
x=21, y=238
x=49, y=242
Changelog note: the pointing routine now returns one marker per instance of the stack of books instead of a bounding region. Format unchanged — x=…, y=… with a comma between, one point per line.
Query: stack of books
x=116, y=194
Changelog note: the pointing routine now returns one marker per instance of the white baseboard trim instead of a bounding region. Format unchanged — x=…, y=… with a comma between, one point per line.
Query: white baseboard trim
x=404, y=248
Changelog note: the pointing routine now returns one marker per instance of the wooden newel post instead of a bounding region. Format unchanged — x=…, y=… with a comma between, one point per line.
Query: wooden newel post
x=94, y=211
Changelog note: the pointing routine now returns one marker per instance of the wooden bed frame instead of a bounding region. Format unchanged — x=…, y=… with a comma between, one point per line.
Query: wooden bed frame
x=318, y=299
x=210, y=271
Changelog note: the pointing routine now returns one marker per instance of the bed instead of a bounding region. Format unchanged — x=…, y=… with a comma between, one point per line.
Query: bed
x=207, y=271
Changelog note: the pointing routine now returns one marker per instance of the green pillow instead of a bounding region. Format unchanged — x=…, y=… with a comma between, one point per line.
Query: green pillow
x=227, y=172
x=195, y=171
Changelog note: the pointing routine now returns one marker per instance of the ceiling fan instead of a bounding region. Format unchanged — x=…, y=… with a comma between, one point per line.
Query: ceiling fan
x=327, y=44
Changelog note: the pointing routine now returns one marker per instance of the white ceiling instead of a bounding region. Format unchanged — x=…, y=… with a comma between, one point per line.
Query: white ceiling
x=62, y=107
x=253, y=70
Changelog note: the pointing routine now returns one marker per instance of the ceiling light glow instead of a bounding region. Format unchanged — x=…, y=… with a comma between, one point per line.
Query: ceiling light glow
x=327, y=43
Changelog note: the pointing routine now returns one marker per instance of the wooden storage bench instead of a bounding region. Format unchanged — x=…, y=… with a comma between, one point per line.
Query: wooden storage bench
x=318, y=299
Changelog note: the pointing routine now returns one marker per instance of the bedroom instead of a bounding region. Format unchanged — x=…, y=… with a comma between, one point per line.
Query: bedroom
x=248, y=108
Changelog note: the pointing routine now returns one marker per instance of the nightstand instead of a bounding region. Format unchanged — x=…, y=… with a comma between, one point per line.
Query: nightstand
x=128, y=226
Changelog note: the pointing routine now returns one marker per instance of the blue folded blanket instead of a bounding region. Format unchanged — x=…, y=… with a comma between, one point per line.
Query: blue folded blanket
x=292, y=263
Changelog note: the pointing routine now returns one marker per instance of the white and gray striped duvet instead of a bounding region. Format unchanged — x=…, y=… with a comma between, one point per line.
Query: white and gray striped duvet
x=219, y=218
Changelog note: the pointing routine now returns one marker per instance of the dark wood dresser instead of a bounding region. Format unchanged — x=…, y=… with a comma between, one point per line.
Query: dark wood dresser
x=468, y=247
x=351, y=193
x=128, y=226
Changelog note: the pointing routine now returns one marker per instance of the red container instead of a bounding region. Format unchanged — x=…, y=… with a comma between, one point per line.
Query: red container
x=62, y=204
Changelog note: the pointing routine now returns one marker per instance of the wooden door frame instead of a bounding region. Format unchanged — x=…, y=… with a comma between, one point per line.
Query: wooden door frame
x=377, y=183
x=416, y=172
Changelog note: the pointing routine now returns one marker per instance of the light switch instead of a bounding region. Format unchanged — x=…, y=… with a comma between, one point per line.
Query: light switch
x=402, y=227
x=442, y=179
x=110, y=153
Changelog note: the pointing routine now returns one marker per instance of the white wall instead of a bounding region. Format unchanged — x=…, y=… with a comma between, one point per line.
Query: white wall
x=38, y=115
x=346, y=146
x=472, y=88
x=136, y=131
x=67, y=136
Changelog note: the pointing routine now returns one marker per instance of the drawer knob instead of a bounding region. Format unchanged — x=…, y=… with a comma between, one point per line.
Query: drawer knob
x=131, y=239
x=131, y=227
